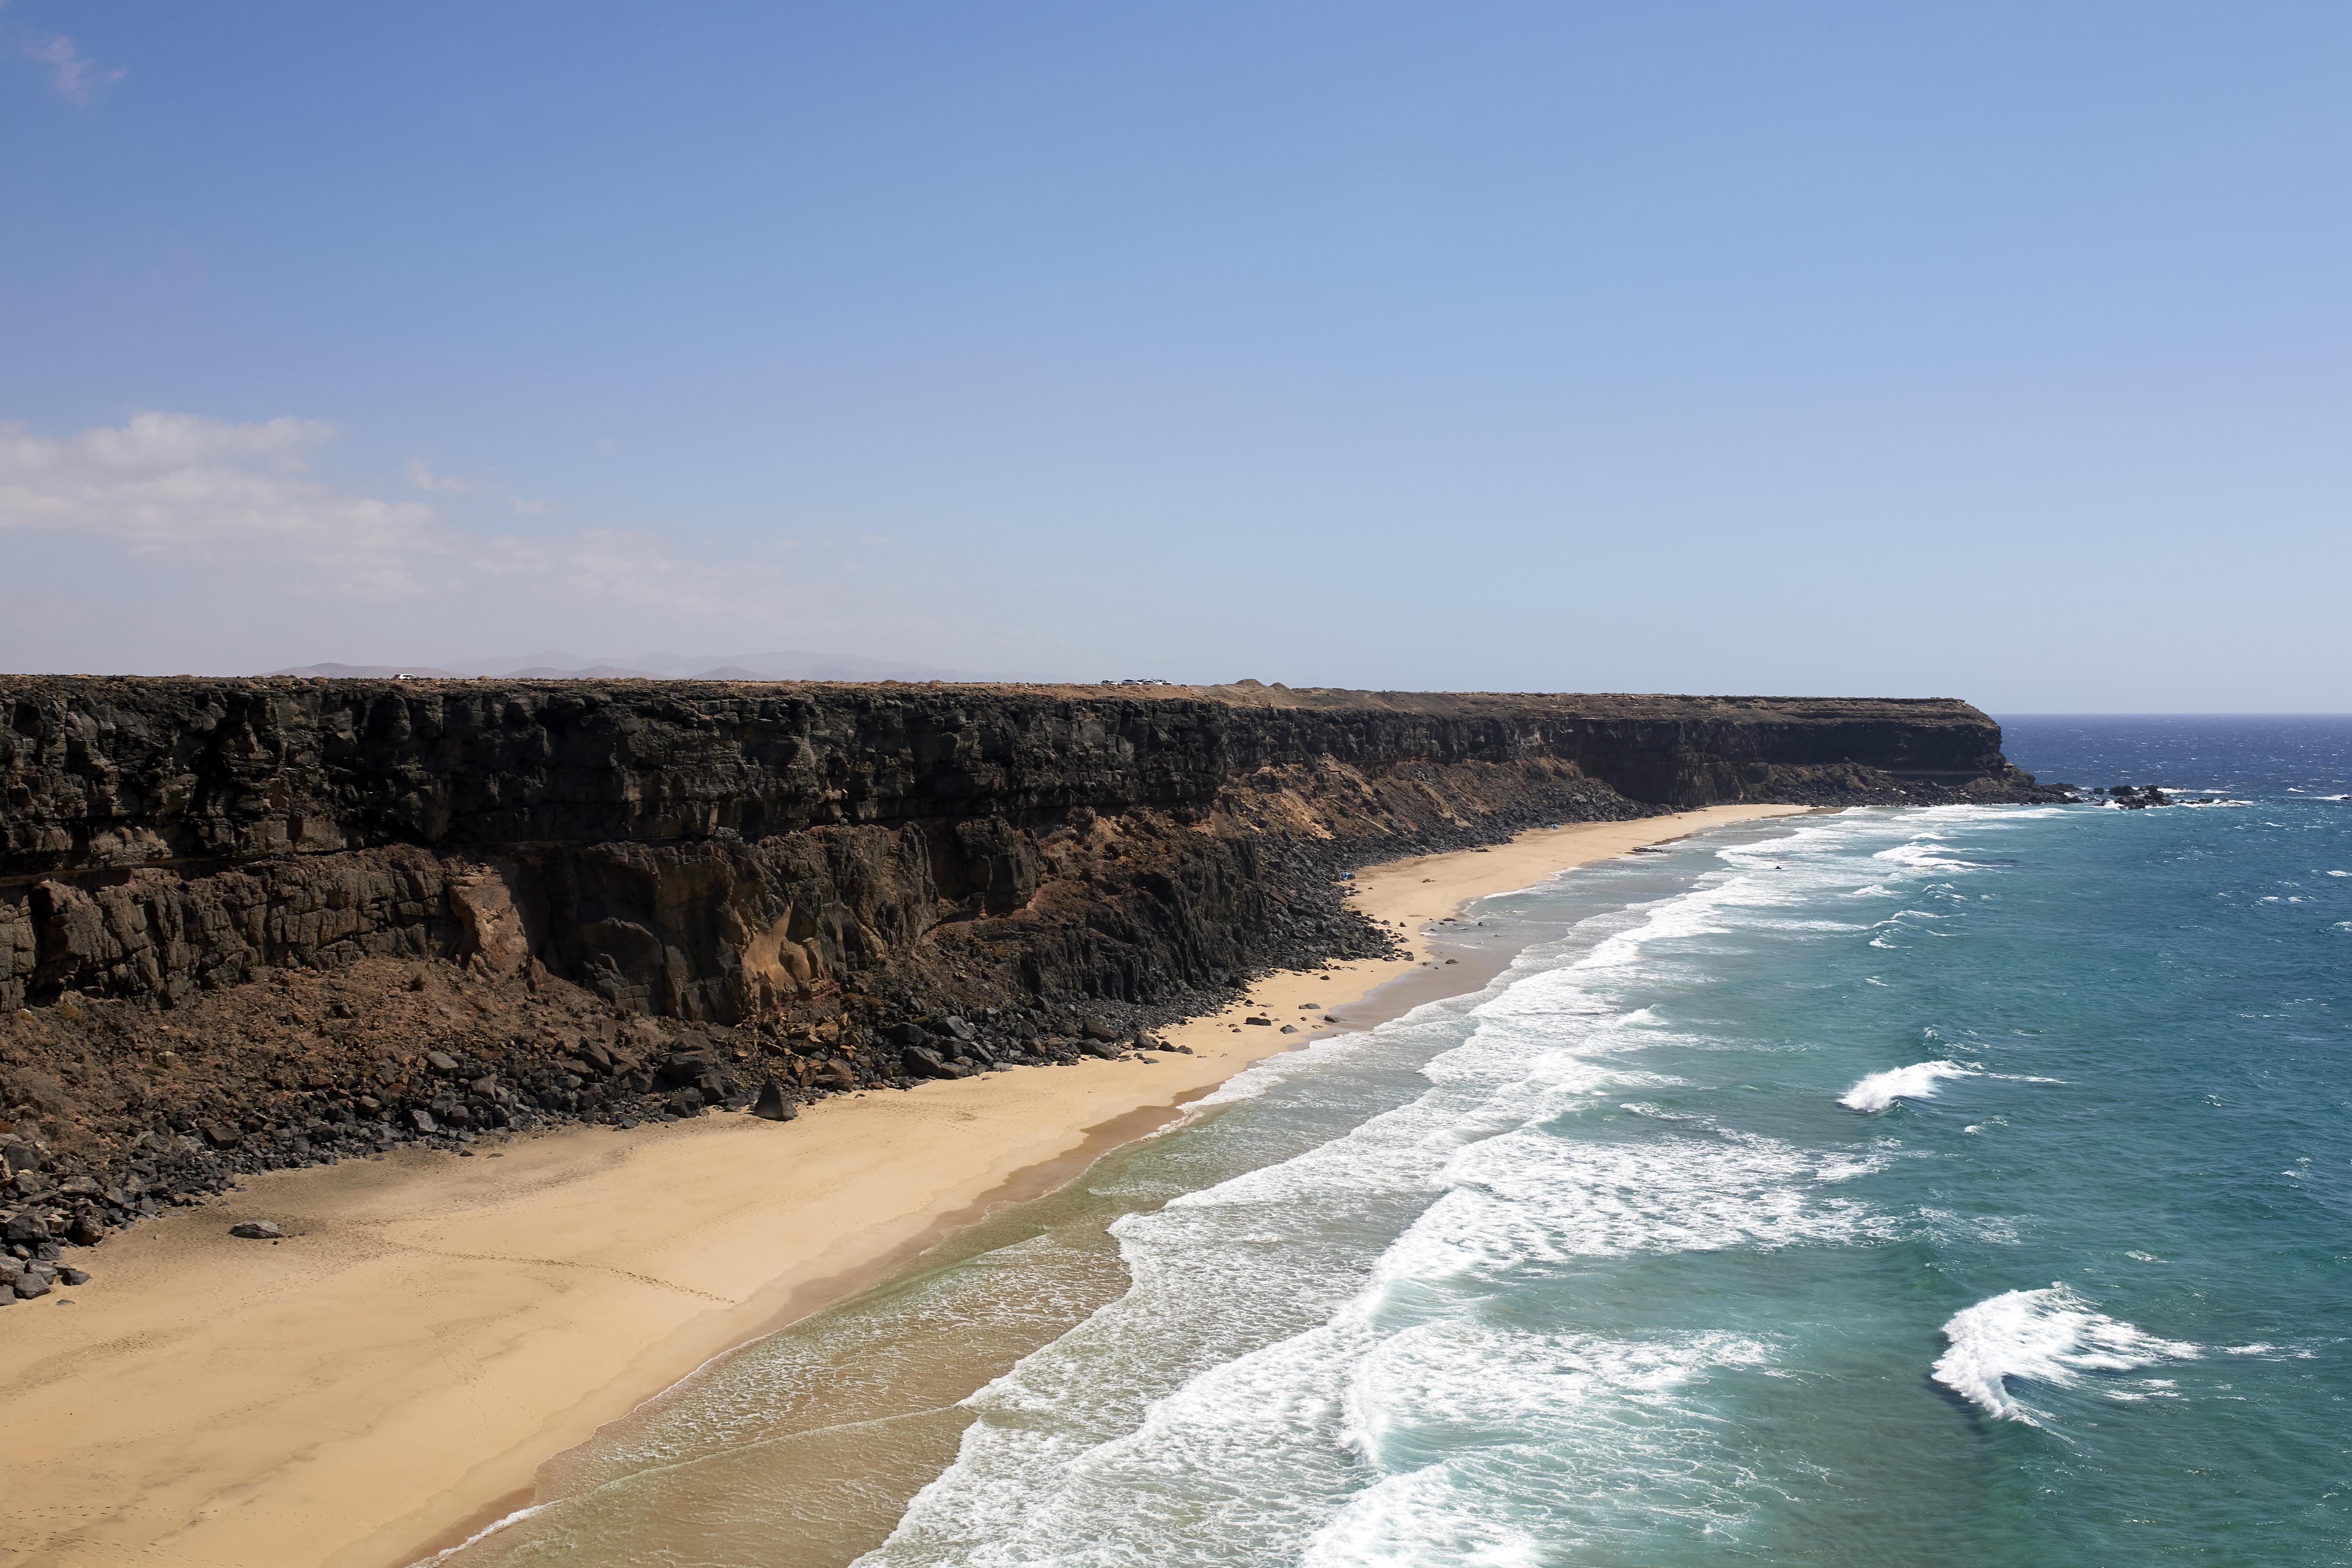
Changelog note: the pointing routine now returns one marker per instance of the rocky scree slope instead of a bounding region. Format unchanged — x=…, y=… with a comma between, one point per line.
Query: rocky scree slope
x=251, y=924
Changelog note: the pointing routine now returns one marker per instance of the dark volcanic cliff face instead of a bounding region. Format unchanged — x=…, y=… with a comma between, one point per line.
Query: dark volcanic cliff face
x=281, y=879
x=128, y=773
x=695, y=849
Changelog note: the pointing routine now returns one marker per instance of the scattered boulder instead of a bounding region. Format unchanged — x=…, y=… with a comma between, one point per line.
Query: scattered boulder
x=30, y=1284
x=255, y=1230
x=833, y=1073
x=422, y=1120
x=221, y=1135
x=442, y=1061
x=959, y=1029
x=1103, y=1049
x=775, y=1105
x=921, y=1061
x=1268, y=1023
x=685, y=1067
x=24, y=1229
x=1098, y=1029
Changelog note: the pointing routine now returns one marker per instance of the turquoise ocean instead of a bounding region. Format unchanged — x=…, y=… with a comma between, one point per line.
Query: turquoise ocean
x=1957, y=1185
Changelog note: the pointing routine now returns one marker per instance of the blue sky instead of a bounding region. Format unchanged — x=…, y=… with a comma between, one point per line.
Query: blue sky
x=1986, y=350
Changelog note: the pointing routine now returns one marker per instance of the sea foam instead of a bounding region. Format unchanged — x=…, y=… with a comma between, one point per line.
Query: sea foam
x=2050, y=1336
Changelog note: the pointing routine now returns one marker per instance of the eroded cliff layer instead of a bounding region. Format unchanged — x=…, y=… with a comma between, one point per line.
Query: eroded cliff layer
x=244, y=919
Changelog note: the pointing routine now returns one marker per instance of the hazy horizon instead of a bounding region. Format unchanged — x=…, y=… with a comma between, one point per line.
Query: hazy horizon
x=1989, y=351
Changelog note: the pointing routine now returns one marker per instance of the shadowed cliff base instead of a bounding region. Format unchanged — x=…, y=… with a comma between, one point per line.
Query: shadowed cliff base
x=247, y=924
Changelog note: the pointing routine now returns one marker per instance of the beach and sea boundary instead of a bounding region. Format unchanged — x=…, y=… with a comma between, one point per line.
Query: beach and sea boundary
x=384, y=1382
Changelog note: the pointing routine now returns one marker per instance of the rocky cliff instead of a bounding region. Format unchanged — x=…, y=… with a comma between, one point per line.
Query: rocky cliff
x=243, y=921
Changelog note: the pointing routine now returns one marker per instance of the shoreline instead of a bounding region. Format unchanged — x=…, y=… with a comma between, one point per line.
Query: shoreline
x=398, y=1362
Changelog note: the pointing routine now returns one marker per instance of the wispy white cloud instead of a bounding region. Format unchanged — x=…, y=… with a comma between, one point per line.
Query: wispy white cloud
x=244, y=495
x=173, y=541
x=77, y=77
x=185, y=484
x=422, y=477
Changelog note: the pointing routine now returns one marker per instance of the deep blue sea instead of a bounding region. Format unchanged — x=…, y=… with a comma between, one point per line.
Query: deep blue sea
x=1961, y=1185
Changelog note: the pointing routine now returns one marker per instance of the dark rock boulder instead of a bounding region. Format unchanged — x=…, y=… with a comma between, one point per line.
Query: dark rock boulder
x=257, y=1230
x=685, y=1067
x=773, y=1104
x=921, y=1061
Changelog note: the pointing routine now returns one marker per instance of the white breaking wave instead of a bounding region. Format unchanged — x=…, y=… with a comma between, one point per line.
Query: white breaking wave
x=2050, y=1336
x=1917, y=1081
x=1577, y=1403
x=1922, y=854
x=1526, y=1200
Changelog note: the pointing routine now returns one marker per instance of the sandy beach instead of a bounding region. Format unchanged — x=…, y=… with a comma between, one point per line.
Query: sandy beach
x=433, y=1329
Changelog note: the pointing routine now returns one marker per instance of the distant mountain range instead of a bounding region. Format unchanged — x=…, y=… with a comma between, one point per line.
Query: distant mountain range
x=786, y=664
